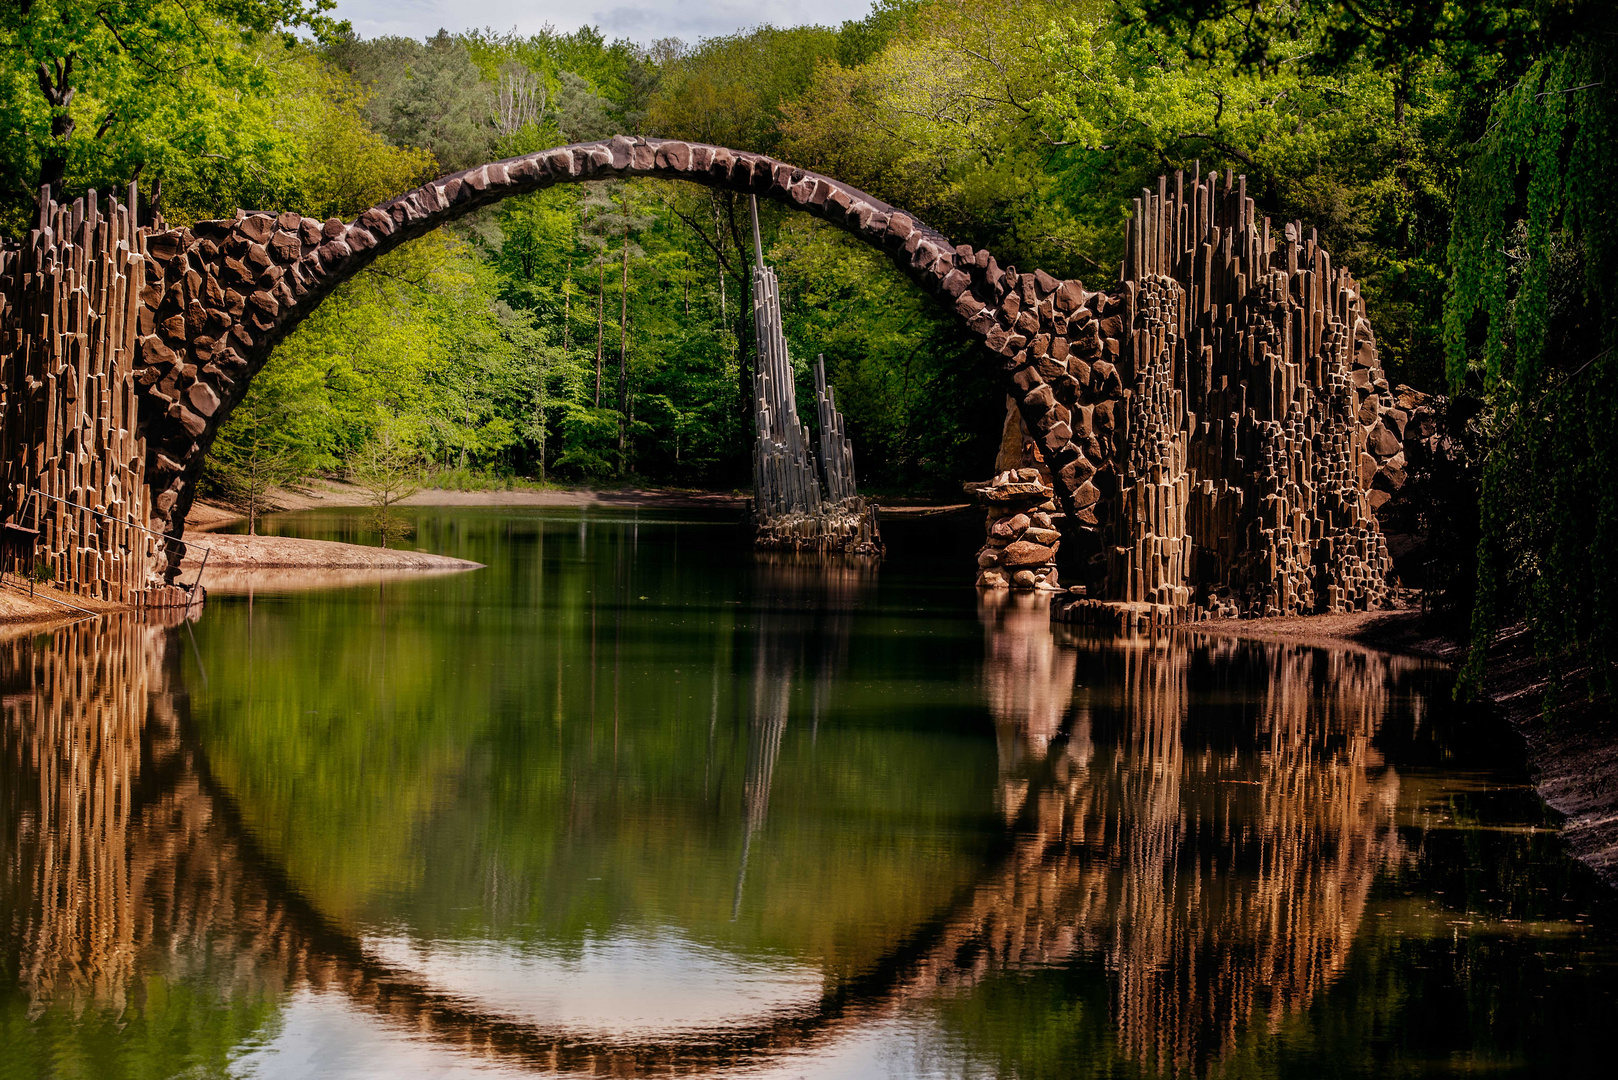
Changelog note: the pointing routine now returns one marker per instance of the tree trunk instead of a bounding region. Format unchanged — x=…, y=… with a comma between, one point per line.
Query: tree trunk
x=601, y=315
x=59, y=96
x=567, y=308
x=623, y=349
x=745, y=339
x=719, y=242
x=1401, y=95
x=252, y=493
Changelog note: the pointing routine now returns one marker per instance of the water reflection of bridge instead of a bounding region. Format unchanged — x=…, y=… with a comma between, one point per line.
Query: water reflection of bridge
x=1222, y=881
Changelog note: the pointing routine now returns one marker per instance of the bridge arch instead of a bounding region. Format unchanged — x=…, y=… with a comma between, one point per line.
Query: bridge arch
x=231, y=290
x=1214, y=435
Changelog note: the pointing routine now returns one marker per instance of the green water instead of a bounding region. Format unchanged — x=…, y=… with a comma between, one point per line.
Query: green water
x=633, y=799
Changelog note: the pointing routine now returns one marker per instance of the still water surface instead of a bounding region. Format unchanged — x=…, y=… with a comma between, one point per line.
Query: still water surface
x=635, y=800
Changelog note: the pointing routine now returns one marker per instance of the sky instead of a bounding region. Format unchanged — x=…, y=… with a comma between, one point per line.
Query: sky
x=642, y=21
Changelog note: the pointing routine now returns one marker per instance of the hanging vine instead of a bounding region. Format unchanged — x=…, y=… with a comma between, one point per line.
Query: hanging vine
x=1530, y=326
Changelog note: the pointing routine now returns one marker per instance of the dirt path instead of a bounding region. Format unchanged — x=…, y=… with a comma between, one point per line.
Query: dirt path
x=205, y=516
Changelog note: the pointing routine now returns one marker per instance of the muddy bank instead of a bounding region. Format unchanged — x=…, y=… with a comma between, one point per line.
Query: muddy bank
x=1573, y=754
x=47, y=606
x=1400, y=631
x=289, y=580
x=1572, y=757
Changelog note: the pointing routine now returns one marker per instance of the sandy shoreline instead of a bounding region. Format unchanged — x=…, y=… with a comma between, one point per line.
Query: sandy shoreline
x=232, y=551
x=47, y=607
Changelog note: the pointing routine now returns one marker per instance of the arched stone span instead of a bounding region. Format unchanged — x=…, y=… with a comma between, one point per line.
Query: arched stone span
x=230, y=291
x=1216, y=432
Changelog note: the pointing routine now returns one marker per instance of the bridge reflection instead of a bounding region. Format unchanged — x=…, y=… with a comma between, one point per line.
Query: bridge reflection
x=1213, y=843
x=1212, y=824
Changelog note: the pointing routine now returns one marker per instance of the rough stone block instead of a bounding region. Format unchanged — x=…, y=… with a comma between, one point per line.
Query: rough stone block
x=202, y=398
x=1382, y=442
x=256, y=227
x=1024, y=553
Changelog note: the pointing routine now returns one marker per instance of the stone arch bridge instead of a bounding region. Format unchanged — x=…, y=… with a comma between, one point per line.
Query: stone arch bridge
x=1207, y=436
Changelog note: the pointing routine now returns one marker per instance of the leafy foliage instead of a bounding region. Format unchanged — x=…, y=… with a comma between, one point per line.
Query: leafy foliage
x=107, y=91
x=1531, y=325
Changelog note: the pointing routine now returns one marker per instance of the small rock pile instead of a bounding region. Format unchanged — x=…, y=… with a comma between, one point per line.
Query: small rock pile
x=1020, y=549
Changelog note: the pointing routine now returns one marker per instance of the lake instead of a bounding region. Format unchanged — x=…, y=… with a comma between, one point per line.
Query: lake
x=636, y=800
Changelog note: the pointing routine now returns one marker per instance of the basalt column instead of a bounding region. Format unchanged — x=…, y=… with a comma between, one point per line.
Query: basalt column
x=1253, y=422
x=790, y=510
x=72, y=459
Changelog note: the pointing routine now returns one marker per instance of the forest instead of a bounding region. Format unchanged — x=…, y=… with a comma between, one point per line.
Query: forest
x=1454, y=157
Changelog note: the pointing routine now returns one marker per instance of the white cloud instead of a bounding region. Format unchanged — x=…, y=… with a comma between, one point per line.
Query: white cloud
x=638, y=20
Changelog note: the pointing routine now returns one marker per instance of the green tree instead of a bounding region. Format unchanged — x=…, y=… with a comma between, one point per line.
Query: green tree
x=263, y=446
x=158, y=90
x=341, y=165
x=1532, y=325
x=1362, y=151
x=388, y=470
x=428, y=94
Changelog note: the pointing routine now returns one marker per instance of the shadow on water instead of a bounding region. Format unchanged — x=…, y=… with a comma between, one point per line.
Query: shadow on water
x=1193, y=857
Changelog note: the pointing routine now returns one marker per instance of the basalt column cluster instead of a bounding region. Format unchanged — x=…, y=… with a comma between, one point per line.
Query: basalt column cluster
x=1255, y=420
x=72, y=464
x=790, y=509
